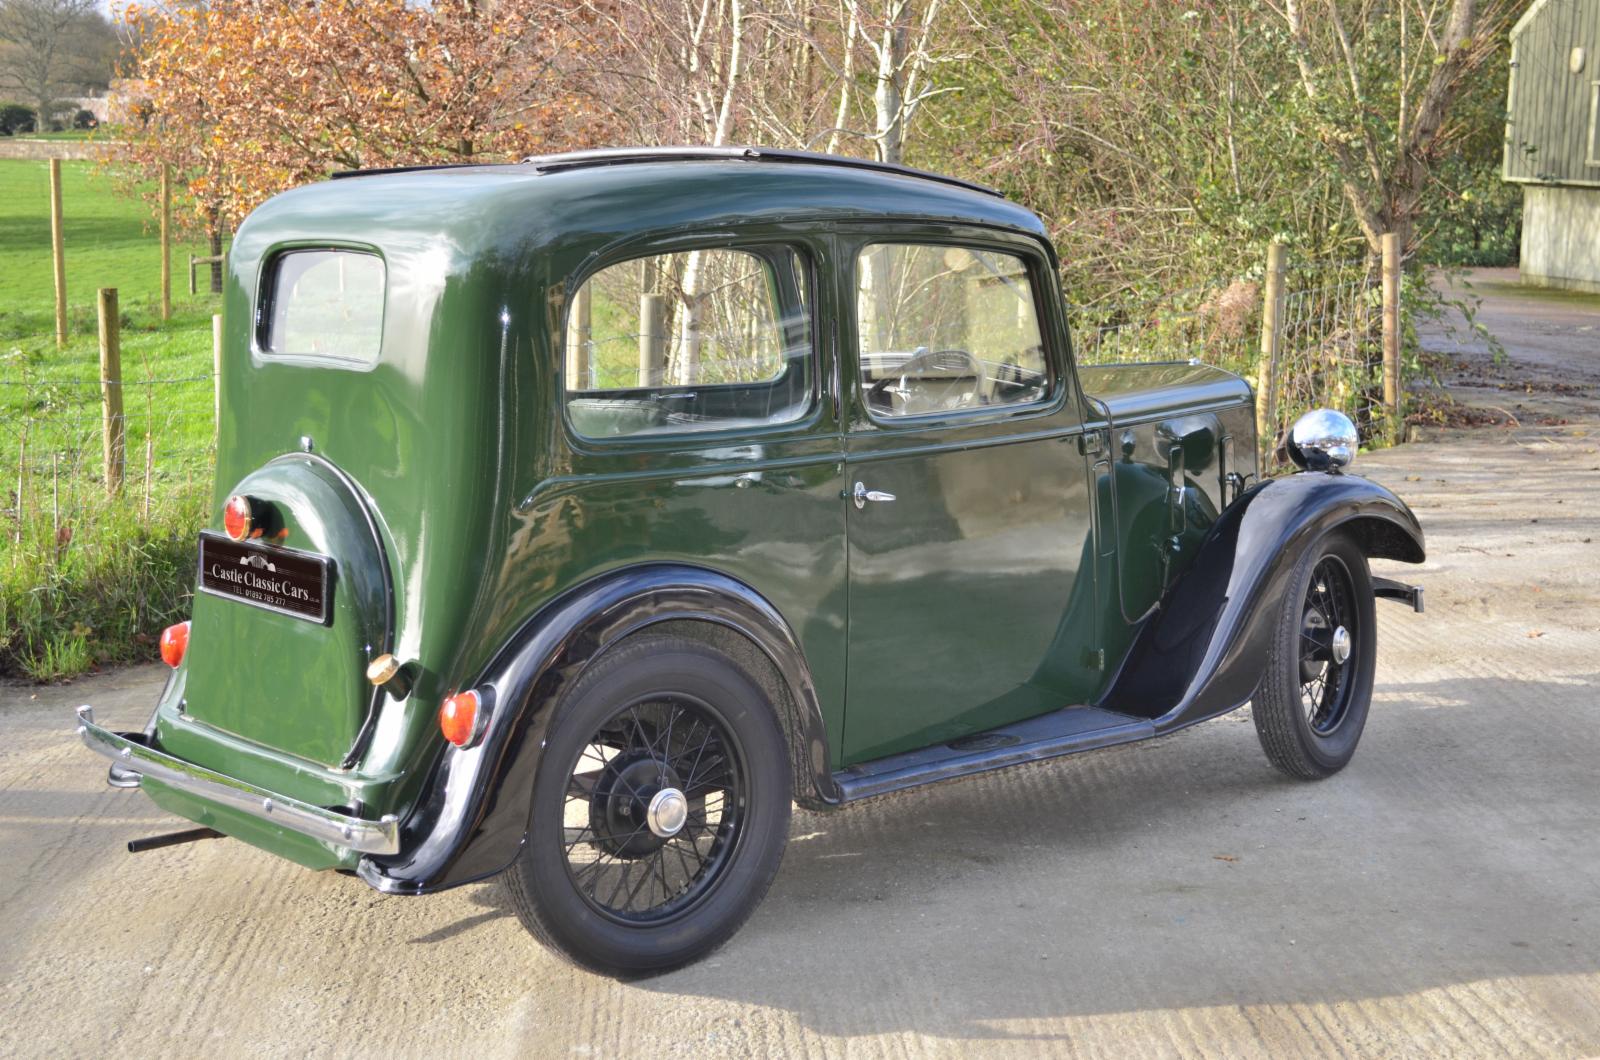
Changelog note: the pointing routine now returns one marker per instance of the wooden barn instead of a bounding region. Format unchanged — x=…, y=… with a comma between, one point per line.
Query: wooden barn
x=1552, y=142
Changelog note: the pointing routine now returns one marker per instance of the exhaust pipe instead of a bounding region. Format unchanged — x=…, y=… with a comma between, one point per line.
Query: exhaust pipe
x=172, y=839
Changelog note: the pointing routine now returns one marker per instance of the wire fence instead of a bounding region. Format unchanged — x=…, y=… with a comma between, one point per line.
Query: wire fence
x=52, y=434
x=1328, y=350
x=53, y=445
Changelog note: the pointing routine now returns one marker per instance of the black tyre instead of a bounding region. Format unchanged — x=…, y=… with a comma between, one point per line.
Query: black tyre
x=660, y=811
x=1313, y=699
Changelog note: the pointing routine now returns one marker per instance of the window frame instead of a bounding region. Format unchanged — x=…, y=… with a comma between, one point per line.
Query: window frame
x=266, y=294
x=807, y=271
x=1019, y=247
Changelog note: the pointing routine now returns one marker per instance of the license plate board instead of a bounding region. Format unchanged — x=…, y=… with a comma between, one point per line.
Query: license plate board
x=284, y=580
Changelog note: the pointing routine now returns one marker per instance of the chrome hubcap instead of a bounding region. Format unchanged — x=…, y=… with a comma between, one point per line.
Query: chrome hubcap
x=668, y=812
x=1340, y=645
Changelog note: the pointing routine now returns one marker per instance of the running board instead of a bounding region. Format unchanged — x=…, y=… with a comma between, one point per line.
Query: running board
x=1062, y=732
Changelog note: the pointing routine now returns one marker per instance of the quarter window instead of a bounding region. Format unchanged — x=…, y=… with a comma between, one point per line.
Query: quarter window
x=324, y=303
x=946, y=329
x=699, y=340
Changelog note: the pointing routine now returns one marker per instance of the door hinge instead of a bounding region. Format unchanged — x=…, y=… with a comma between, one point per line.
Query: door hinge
x=1090, y=443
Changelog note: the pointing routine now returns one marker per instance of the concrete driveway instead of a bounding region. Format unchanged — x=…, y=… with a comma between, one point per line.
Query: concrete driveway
x=1441, y=896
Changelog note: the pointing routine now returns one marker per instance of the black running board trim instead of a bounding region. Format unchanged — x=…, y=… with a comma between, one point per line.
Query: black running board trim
x=1061, y=732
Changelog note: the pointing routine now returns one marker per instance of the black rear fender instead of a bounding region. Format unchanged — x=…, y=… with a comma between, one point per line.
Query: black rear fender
x=1201, y=654
x=474, y=815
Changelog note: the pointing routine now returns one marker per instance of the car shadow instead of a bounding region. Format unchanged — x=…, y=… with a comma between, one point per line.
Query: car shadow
x=1185, y=874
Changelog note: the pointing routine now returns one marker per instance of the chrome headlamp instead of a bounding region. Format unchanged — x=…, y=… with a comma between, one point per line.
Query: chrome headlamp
x=1323, y=440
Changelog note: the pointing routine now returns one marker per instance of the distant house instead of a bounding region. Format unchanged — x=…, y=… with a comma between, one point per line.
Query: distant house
x=96, y=105
x=1553, y=143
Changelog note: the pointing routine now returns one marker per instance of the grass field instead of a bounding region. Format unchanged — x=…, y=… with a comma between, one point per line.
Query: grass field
x=110, y=241
x=86, y=577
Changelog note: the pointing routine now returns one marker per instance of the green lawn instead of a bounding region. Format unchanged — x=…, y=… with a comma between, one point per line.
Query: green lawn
x=87, y=577
x=110, y=241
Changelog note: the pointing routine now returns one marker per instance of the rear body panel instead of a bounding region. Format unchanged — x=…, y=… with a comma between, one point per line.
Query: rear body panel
x=310, y=698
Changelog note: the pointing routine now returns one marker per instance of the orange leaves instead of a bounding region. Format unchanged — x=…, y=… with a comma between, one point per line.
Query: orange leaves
x=247, y=98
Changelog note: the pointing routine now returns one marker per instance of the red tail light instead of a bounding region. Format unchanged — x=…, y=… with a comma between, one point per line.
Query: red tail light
x=461, y=718
x=174, y=642
x=239, y=517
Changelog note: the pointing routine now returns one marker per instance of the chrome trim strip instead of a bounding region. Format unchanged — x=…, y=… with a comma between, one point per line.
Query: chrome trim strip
x=352, y=833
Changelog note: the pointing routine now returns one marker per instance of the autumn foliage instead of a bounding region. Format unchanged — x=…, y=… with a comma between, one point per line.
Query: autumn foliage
x=1163, y=143
x=246, y=98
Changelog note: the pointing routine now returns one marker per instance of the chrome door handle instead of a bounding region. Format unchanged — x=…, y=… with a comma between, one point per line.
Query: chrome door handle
x=862, y=495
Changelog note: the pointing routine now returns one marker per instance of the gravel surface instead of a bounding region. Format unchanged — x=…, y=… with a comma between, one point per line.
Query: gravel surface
x=1441, y=896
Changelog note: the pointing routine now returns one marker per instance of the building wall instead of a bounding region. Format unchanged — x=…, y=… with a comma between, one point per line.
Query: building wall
x=1554, y=95
x=95, y=105
x=40, y=150
x=1561, y=237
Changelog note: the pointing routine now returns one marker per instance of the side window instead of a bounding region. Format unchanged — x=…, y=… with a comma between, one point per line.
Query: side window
x=323, y=303
x=945, y=329
x=693, y=341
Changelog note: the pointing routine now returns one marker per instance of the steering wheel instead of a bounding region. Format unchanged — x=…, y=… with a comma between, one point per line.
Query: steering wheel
x=958, y=363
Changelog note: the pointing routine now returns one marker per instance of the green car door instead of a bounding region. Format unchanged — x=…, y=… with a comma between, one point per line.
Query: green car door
x=972, y=592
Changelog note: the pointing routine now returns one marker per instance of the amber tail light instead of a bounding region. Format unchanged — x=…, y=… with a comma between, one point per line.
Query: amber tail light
x=461, y=718
x=174, y=642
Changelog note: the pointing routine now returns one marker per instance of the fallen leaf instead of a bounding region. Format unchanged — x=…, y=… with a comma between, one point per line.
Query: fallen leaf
x=1223, y=857
x=1535, y=633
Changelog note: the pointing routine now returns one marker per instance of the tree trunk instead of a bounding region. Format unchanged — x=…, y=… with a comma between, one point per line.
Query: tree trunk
x=214, y=231
x=889, y=99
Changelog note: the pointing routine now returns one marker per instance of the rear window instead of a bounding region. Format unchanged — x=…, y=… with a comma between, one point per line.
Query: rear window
x=324, y=303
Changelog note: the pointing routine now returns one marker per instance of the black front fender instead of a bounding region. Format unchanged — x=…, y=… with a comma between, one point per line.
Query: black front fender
x=474, y=815
x=1203, y=653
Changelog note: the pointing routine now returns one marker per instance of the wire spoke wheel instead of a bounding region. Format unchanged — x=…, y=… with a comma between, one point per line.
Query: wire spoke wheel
x=654, y=809
x=1316, y=686
x=1328, y=633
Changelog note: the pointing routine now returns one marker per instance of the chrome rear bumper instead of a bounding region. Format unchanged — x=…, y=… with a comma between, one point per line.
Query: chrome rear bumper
x=133, y=760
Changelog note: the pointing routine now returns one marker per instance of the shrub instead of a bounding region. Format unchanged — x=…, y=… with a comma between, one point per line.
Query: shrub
x=15, y=118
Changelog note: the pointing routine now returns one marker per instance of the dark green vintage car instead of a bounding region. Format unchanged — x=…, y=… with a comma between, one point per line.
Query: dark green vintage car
x=576, y=517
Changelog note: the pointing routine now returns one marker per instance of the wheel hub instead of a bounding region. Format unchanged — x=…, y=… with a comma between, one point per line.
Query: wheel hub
x=668, y=812
x=638, y=804
x=1339, y=645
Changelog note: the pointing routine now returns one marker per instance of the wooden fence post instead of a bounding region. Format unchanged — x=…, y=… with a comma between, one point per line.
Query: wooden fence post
x=1391, y=334
x=1271, y=345
x=216, y=375
x=166, y=242
x=58, y=250
x=652, y=339
x=22, y=487
x=580, y=330
x=111, y=388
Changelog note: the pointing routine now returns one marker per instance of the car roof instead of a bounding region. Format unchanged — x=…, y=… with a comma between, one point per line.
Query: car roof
x=595, y=198
x=615, y=156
